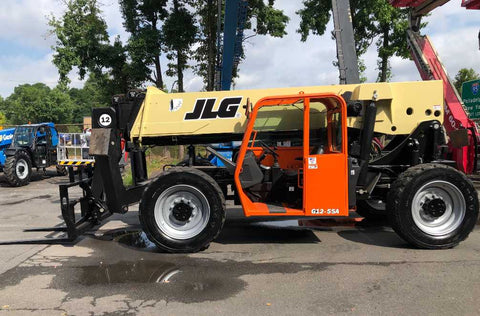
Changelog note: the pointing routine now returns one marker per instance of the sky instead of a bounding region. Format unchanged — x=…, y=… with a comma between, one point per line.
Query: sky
x=26, y=54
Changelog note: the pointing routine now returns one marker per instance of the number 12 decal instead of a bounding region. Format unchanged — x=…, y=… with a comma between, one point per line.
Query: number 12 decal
x=105, y=120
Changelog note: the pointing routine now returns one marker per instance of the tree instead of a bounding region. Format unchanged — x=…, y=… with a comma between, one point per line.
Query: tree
x=3, y=118
x=37, y=103
x=82, y=39
x=464, y=75
x=315, y=15
x=96, y=92
x=205, y=54
x=392, y=28
x=142, y=19
x=156, y=27
x=371, y=19
x=265, y=18
x=179, y=32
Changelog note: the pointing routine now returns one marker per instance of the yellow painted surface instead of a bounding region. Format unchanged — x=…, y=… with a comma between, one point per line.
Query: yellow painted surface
x=158, y=116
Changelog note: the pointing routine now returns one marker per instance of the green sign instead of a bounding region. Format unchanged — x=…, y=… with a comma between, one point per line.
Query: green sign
x=471, y=98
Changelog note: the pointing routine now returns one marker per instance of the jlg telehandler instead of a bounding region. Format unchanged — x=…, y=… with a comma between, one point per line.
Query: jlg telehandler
x=306, y=152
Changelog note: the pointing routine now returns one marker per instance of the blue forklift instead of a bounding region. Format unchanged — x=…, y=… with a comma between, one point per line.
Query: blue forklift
x=31, y=146
x=6, y=136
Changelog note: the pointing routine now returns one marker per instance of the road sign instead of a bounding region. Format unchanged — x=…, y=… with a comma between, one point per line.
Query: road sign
x=471, y=98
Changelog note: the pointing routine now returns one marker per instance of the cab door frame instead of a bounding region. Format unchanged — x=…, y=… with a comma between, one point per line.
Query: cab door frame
x=262, y=209
x=325, y=175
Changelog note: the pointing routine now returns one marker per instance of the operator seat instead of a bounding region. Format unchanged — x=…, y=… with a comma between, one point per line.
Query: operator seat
x=251, y=172
x=317, y=150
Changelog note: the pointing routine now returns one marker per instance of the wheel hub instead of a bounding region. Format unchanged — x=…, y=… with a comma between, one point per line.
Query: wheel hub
x=438, y=208
x=21, y=169
x=182, y=211
x=435, y=207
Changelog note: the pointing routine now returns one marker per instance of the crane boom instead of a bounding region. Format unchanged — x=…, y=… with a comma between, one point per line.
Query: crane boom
x=346, y=54
x=461, y=129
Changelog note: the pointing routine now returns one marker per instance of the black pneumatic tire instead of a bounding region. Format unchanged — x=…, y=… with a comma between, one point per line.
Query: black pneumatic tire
x=18, y=176
x=161, y=194
x=408, y=209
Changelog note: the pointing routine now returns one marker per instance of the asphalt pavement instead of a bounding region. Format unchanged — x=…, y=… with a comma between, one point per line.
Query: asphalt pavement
x=263, y=268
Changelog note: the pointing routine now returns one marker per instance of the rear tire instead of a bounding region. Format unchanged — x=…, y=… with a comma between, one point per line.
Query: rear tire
x=183, y=210
x=18, y=169
x=432, y=206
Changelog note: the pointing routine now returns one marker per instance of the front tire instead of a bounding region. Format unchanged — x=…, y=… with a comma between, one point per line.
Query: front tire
x=18, y=169
x=183, y=210
x=433, y=206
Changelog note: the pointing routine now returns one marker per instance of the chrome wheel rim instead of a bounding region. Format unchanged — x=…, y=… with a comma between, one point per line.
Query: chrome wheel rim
x=438, y=208
x=182, y=212
x=21, y=169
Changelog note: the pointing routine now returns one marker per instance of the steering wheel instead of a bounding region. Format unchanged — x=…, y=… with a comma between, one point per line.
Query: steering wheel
x=266, y=149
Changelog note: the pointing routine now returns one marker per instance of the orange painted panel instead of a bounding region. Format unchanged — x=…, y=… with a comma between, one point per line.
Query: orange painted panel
x=325, y=185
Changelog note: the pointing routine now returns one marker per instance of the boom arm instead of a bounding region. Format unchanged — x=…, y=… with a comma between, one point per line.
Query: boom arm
x=462, y=131
x=346, y=54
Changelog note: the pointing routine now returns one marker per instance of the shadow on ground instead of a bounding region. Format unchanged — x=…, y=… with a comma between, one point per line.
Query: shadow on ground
x=262, y=233
x=375, y=236
x=50, y=175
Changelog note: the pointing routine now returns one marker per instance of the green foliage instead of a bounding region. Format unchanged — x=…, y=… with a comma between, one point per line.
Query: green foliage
x=179, y=31
x=97, y=92
x=3, y=119
x=83, y=42
x=205, y=54
x=156, y=27
x=268, y=20
x=314, y=18
x=391, y=29
x=262, y=19
x=464, y=75
x=361, y=69
x=371, y=19
x=316, y=14
x=142, y=19
x=37, y=103
x=74, y=129
x=82, y=39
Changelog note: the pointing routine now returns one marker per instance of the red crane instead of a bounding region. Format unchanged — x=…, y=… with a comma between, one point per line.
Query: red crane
x=462, y=131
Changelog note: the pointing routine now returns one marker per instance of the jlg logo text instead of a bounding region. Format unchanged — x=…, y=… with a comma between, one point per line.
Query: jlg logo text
x=203, y=109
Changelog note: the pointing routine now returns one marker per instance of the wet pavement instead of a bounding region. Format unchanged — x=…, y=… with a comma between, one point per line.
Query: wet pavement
x=272, y=268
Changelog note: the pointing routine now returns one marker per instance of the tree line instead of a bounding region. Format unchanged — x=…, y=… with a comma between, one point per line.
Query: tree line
x=165, y=38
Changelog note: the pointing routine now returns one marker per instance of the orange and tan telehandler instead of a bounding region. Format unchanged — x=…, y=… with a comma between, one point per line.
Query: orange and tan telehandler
x=306, y=152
